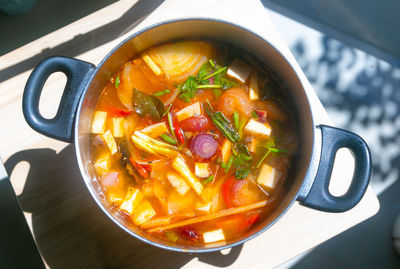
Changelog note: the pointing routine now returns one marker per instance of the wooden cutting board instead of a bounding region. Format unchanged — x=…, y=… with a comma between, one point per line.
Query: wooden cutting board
x=69, y=229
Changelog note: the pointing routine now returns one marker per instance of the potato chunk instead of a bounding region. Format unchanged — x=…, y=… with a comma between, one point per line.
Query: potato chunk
x=202, y=170
x=99, y=122
x=110, y=141
x=143, y=213
x=102, y=164
x=118, y=127
x=178, y=183
x=155, y=130
x=132, y=199
x=192, y=110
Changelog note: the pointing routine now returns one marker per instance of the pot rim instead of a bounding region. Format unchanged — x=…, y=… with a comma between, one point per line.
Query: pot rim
x=308, y=173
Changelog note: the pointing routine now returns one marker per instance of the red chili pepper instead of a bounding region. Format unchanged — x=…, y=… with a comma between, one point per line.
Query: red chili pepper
x=116, y=112
x=140, y=168
x=226, y=191
x=178, y=131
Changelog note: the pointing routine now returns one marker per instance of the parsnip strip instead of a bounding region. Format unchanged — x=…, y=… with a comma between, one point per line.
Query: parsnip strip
x=224, y=213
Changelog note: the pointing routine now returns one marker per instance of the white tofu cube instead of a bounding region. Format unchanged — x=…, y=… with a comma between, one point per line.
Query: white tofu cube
x=118, y=127
x=192, y=110
x=214, y=236
x=155, y=130
x=239, y=70
x=178, y=183
x=254, y=92
x=99, y=122
x=110, y=141
x=202, y=170
x=143, y=213
x=132, y=199
x=257, y=128
x=269, y=176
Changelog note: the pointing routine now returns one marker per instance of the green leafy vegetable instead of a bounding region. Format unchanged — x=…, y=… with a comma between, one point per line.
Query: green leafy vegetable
x=202, y=80
x=161, y=93
x=254, y=114
x=117, y=82
x=242, y=173
x=222, y=123
x=147, y=105
x=188, y=89
x=220, y=70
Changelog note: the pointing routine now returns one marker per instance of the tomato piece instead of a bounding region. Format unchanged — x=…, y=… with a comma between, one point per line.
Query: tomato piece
x=226, y=191
x=143, y=172
x=244, y=192
x=238, y=223
x=196, y=124
x=116, y=112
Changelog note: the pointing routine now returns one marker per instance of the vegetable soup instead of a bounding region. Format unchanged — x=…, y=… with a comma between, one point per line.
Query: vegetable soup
x=192, y=141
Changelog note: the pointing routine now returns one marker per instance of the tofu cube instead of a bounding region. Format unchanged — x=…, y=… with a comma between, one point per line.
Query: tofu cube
x=214, y=236
x=254, y=92
x=110, y=141
x=155, y=130
x=178, y=183
x=99, y=122
x=144, y=212
x=226, y=150
x=239, y=70
x=269, y=176
x=192, y=110
x=131, y=201
x=257, y=128
x=102, y=165
x=202, y=170
x=118, y=127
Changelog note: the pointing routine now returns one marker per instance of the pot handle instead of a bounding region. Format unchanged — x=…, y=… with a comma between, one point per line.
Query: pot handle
x=61, y=126
x=319, y=196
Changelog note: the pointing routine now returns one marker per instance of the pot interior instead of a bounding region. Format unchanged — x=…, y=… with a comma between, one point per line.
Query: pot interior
x=186, y=29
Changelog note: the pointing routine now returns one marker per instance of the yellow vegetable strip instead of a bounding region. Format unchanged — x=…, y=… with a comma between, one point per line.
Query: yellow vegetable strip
x=154, y=141
x=223, y=213
x=179, y=164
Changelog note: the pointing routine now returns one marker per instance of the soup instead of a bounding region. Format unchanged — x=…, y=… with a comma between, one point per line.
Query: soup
x=192, y=141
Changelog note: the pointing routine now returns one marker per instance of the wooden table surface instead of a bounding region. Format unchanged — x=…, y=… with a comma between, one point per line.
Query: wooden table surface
x=69, y=229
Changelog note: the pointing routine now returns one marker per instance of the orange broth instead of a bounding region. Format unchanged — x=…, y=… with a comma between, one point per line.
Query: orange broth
x=145, y=182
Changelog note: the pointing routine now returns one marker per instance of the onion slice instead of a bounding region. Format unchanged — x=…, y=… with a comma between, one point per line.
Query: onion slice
x=204, y=146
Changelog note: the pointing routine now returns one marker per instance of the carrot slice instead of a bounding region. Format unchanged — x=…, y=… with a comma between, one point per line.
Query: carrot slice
x=223, y=213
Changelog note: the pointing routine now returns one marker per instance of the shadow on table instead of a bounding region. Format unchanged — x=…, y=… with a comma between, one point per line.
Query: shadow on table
x=70, y=229
x=82, y=43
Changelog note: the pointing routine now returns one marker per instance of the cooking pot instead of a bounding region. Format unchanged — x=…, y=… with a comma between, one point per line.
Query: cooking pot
x=309, y=178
